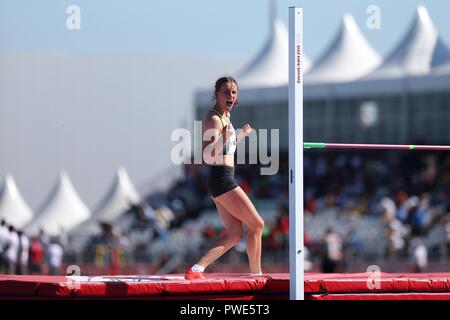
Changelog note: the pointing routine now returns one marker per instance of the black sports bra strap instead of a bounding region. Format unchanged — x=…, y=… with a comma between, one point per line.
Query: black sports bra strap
x=220, y=116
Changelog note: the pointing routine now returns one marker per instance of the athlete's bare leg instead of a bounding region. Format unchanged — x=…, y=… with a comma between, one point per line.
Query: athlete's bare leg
x=233, y=235
x=237, y=204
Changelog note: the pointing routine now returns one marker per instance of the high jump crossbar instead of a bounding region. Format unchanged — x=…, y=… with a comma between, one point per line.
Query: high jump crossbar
x=365, y=146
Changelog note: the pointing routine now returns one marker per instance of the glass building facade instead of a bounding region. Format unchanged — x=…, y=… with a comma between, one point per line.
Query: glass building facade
x=392, y=118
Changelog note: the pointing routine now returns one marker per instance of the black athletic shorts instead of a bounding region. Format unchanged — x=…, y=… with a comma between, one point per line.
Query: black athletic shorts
x=221, y=180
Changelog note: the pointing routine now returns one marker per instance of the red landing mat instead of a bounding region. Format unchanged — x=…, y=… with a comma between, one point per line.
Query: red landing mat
x=228, y=286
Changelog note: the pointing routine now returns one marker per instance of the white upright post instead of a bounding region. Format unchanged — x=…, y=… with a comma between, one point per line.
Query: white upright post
x=296, y=250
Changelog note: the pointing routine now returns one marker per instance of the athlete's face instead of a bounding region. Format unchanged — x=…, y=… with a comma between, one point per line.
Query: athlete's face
x=226, y=97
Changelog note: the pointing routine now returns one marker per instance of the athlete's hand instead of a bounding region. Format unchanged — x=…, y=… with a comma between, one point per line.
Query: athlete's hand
x=226, y=132
x=245, y=131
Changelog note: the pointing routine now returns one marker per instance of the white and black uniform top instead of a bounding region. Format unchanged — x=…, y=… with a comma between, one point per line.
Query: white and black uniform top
x=230, y=145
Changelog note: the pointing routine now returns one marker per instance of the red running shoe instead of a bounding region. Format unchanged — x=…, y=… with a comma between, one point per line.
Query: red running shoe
x=191, y=275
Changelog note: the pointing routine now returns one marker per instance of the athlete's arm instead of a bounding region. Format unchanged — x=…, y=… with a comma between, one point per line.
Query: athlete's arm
x=212, y=138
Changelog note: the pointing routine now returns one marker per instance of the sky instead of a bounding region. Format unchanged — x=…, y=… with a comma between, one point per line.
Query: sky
x=232, y=28
x=109, y=94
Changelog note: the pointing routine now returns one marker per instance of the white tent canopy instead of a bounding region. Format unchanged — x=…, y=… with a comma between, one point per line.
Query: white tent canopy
x=270, y=67
x=420, y=62
x=420, y=50
x=118, y=199
x=62, y=210
x=13, y=208
x=348, y=57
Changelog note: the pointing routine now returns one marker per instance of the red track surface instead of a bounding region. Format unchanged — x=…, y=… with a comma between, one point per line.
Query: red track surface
x=227, y=286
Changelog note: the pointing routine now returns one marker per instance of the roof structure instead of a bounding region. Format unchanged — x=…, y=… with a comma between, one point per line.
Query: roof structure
x=348, y=57
x=349, y=66
x=62, y=210
x=420, y=50
x=270, y=67
x=119, y=198
x=13, y=207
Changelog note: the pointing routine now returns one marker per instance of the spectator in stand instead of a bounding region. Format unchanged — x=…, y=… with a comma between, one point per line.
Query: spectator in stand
x=395, y=231
x=22, y=253
x=349, y=182
x=332, y=251
x=209, y=233
x=164, y=216
x=4, y=235
x=43, y=238
x=143, y=216
x=419, y=254
x=402, y=205
x=420, y=224
x=310, y=204
x=55, y=255
x=36, y=255
x=447, y=233
x=11, y=250
x=308, y=265
x=416, y=217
